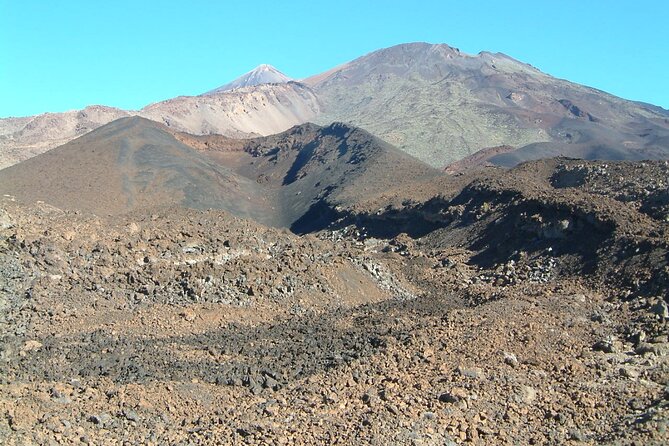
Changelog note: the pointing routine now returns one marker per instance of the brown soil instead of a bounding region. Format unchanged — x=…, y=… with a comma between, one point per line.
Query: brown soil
x=499, y=307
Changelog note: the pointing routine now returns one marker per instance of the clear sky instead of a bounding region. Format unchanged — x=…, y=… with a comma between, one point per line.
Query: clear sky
x=64, y=55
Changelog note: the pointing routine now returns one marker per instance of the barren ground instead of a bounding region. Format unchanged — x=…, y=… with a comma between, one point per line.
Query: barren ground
x=500, y=307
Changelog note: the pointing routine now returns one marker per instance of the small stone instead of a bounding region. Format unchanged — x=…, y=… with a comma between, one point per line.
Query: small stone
x=510, y=359
x=392, y=409
x=636, y=404
x=605, y=346
x=661, y=339
x=656, y=349
x=254, y=385
x=59, y=397
x=455, y=395
x=639, y=337
x=629, y=373
x=131, y=415
x=660, y=309
x=55, y=393
x=470, y=372
x=579, y=298
x=188, y=315
x=31, y=345
x=577, y=435
x=528, y=394
x=5, y=220
x=243, y=432
x=100, y=419
x=370, y=398
x=271, y=383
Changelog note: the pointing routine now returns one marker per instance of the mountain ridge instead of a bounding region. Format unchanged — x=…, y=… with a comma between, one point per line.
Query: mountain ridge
x=246, y=112
x=136, y=164
x=430, y=100
x=441, y=105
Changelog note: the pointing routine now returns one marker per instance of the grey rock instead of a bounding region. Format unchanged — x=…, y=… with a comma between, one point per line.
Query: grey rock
x=471, y=372
x=271, y=383
x=660, y=309
x=605, y=345
x=453, y=396
x=510, y=359
x=656, y=349
x=131, y=415
x=577, y=435
x=528, y=394
x=447, y=398
x=58, y=396
x=629, y=373
x=101, y=419
x=392, y=409
x=5, y=220
x=370, y=398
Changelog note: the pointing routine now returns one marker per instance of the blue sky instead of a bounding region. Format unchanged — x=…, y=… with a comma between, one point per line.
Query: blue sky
x=64, y=55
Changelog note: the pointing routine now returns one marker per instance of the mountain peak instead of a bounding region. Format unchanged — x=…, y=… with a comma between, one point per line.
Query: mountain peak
x=262, y=74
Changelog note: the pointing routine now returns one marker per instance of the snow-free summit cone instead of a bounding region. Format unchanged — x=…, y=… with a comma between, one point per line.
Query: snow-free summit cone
x=129, y=164
x=263, y=74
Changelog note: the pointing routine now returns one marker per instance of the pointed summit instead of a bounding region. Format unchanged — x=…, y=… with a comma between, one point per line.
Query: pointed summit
x=263, y=74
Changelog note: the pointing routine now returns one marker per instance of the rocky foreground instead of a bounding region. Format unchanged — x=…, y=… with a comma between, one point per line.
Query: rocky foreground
x=504, y=307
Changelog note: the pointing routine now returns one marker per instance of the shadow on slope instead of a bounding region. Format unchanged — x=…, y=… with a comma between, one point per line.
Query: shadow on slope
x=284, y=180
